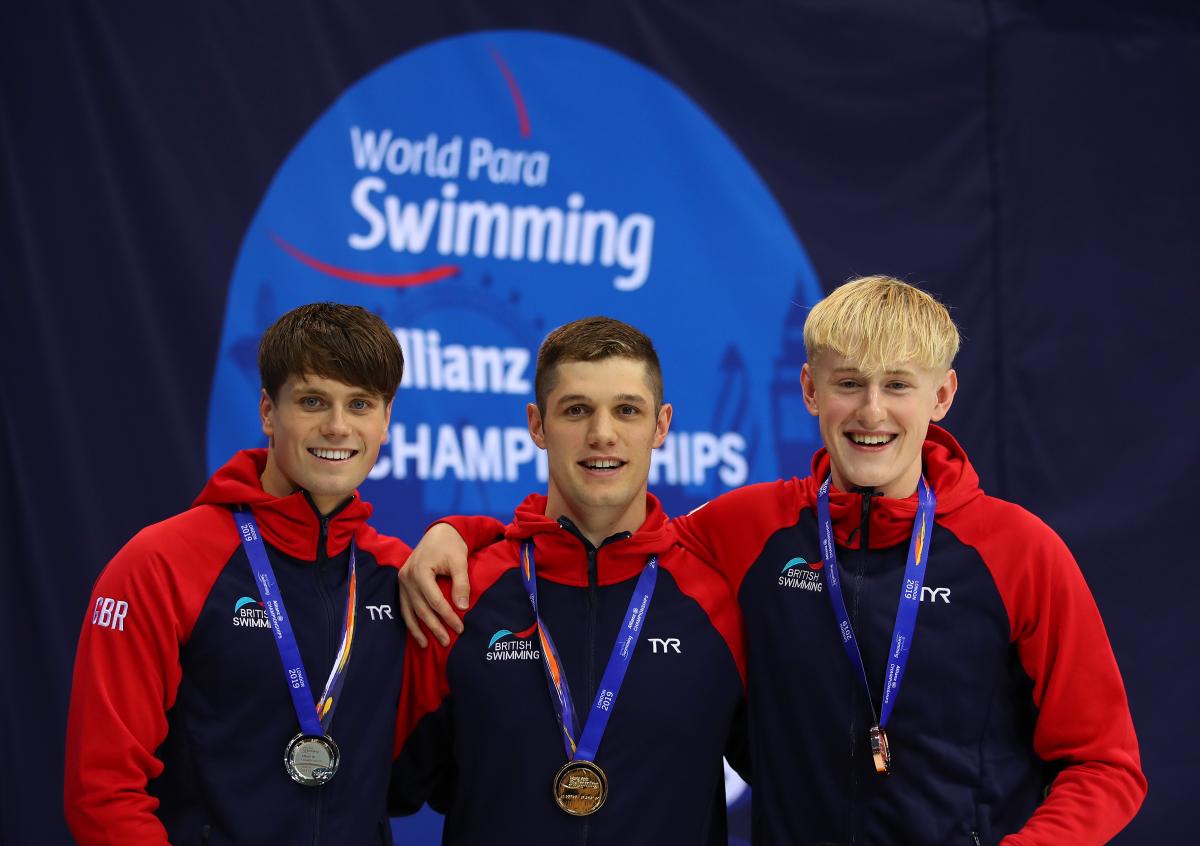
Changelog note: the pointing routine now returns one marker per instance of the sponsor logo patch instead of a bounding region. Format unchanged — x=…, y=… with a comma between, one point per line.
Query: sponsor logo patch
x=800, y=574
x=507, y=645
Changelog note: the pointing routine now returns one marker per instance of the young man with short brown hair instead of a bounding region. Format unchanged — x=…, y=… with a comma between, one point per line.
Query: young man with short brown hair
x=228, y=687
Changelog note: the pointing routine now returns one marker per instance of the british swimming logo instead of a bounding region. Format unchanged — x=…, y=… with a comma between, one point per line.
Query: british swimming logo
x=800, y=574
x=249, y=613
x=507, y=645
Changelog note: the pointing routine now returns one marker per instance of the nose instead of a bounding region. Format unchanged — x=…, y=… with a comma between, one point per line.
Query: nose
x=335, y=424
x=602, y=429
x=871, y=412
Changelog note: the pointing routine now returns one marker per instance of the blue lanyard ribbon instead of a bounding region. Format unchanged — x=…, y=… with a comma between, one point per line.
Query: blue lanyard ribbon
x=614, y=672
x=314, y=717
x=910, y=594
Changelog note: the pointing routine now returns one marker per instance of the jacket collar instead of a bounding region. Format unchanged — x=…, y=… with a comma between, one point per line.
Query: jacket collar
x=291, y=523
x=946, y=469
x=561, y=555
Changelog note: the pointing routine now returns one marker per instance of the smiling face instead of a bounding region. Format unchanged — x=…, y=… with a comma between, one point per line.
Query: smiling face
x=874, y=424
x=324, y=438
x=598, y=431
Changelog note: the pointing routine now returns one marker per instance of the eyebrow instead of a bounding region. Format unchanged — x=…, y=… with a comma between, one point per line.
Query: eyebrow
x=855, y=370
x=628, y=398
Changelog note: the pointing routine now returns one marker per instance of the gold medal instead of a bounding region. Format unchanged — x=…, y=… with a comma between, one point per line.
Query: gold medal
x=580, y=788
x=881, y=751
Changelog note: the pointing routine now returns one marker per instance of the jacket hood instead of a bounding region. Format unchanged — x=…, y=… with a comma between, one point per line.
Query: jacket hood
x=947, y=470
x=562, y=556
x=291, y=523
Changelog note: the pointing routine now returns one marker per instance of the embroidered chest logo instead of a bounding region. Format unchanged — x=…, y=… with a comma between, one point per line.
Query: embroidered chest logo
x=507, y=645
x=799, y=574
x=935, y=594
x=380, y=612
x=665, y=645
x=248, y=613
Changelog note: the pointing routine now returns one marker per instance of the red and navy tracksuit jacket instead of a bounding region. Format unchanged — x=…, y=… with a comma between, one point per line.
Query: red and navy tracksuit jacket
x=179, y=711
x=478, y=733
x=1011, y=687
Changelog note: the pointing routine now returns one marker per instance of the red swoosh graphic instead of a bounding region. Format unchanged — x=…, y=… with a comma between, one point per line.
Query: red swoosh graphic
x=382, y=280
x=515, y=91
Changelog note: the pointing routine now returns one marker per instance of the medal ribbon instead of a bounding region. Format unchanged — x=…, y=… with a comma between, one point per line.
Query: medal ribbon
x=910, y=595
x=315, y=718
x=614, y=671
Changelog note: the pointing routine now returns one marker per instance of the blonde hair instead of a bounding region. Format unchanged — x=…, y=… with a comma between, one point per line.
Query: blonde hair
x=880, y=322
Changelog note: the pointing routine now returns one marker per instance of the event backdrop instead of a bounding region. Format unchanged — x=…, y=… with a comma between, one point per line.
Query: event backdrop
x=176, y=176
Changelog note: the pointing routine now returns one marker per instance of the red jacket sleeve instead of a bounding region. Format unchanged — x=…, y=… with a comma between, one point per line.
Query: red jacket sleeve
x=127, y=672
x=478, y=532
x=728, y=533
x=1083, y=715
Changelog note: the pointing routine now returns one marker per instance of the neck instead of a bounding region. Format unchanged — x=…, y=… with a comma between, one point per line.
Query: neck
x=275, y=483
x=598, y=523
x=901, y=488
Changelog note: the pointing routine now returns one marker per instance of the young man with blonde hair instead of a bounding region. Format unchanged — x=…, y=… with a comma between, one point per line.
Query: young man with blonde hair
x=925, y=662
x=599, y=670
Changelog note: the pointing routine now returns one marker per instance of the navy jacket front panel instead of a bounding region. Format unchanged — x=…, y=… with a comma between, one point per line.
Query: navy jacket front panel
x=665, y=737
x=480, y=738
x=961, y=676
x=233, y=707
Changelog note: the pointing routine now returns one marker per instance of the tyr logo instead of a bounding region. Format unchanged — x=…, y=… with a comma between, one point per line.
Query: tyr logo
x=934, y=594
x=667, y=643
x=378, y=612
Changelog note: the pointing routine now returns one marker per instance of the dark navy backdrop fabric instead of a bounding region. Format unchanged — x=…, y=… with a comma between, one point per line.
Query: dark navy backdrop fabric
x=1037, y=170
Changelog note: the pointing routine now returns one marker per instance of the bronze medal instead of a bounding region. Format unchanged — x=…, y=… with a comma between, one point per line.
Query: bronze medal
x=580, y=788
x=880, y=751
x=311, y=760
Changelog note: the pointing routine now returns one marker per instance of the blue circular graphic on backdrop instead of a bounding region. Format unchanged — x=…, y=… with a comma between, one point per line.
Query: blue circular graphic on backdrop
x=481, y=190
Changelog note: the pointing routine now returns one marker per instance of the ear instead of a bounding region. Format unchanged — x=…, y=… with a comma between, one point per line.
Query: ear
x=266, y=409
x=944, y=397
x=809, y=387
x=536, y=428
x=387, y=421
x=663, y=424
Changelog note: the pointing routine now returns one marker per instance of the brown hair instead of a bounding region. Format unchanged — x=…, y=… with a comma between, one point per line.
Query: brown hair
x=335, y=341
x=881, y=321
x=594, y=339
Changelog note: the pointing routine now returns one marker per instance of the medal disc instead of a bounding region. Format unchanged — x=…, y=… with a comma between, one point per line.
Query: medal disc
x=311, y=760
x=880, y=751
x=580, y=788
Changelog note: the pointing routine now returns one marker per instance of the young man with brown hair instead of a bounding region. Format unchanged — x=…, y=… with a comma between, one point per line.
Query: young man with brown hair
x=594, y=685
x=926, y=663
x=201, y=711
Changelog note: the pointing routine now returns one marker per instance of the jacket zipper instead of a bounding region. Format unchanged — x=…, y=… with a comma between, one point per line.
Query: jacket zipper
x=864, y=539
x=322, y=562
x=593, y=580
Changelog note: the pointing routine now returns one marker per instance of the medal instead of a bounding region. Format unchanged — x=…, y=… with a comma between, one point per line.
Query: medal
x=906, y=612
x=311, y=757
x=880, y=751
x=580, y=788
x=311, y=760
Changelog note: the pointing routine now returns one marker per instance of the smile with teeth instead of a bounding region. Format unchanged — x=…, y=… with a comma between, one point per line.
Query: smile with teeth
x=601, y=463
x=332, y=454
x=863, y=439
